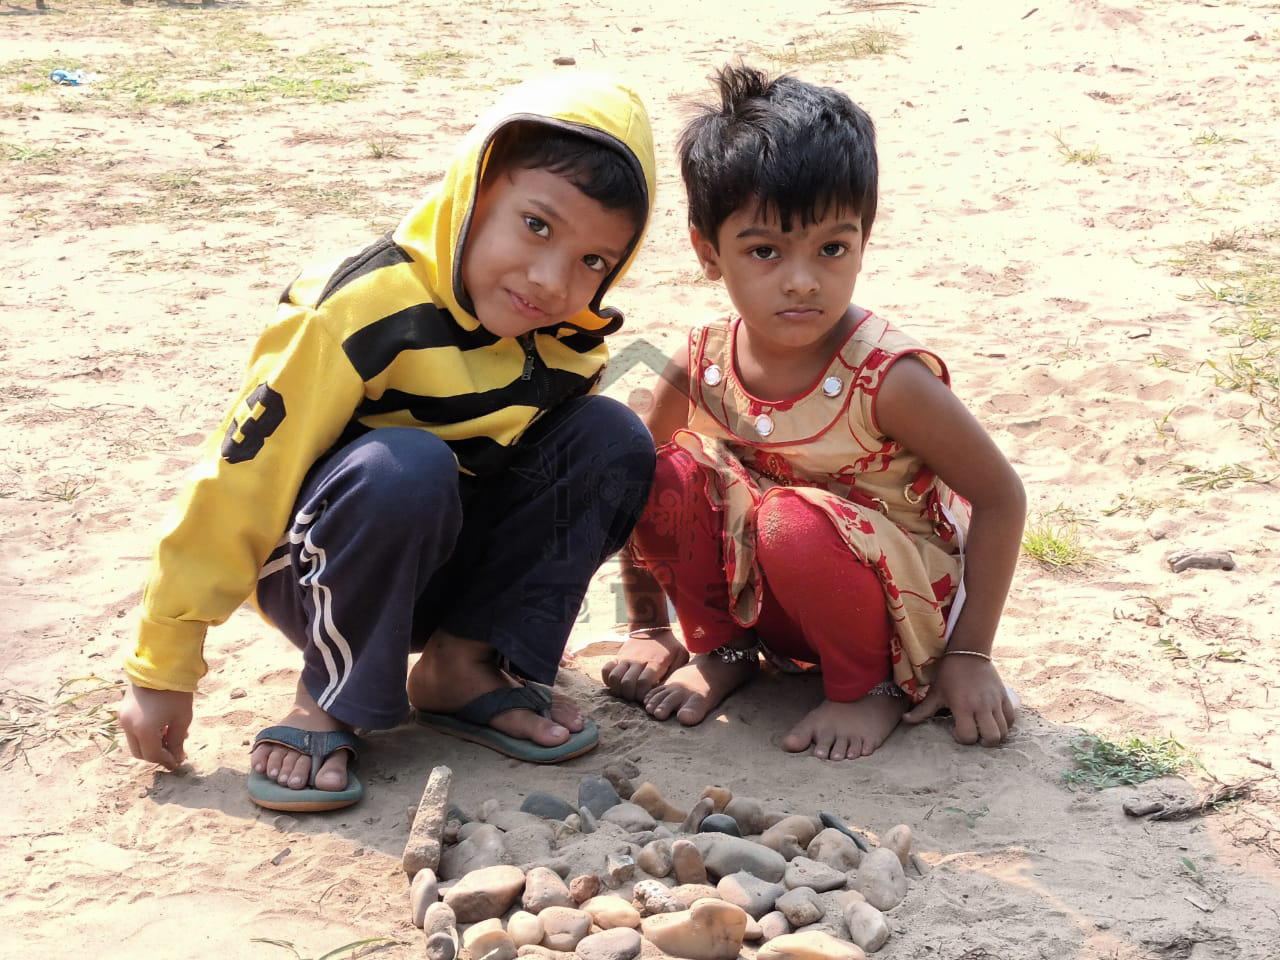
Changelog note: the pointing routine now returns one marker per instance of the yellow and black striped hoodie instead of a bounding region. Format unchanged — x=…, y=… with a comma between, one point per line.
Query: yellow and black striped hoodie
x=385, y=337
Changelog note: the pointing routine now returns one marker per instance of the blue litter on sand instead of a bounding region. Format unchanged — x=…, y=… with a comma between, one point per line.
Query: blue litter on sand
x=70, y=78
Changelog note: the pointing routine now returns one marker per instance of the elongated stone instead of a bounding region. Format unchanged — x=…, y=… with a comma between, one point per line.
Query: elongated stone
x=423, y=892
x=867, y=926
x=687, y=863
x=709, y=930
x=422, y=849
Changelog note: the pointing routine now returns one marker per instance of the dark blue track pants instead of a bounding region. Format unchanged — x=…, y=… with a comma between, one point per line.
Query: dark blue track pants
x=389, y=542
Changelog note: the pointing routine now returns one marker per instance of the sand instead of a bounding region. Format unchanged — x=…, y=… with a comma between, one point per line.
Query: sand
x=1066, y=193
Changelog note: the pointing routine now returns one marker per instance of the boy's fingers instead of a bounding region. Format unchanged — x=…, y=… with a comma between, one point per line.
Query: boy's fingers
x=925, y=709
x=135, y=748
x=965, y=729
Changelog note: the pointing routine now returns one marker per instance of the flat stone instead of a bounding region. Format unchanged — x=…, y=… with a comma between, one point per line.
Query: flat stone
x=803, y=872
x=701, y=810
x=809, y=946
x=709, y=930
x=547, y=805
x=686, y=861
x=801, y=829
x=422, y=849
x=724, y=855
x=608, y=912
x=800, y=906
x=756, y=897
x=544, y=888
x=631, y=817
x=486, y=893
x=836, y=849
x=564, y=927
x=484, y=846
x=881, y=880
x=597, y=795
x=619, y=943
x=648, y=796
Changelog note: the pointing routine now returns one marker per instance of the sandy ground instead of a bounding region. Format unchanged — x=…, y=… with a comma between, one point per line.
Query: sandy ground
x=1079, y=212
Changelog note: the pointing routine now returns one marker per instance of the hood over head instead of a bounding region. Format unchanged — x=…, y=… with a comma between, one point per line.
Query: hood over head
x=593, y=105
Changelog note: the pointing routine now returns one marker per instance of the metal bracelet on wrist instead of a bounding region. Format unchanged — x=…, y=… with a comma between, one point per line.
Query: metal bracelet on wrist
x=885, y=688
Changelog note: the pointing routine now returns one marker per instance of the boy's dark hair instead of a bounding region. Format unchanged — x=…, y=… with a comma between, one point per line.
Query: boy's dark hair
x=599, y=170
x=786, y=146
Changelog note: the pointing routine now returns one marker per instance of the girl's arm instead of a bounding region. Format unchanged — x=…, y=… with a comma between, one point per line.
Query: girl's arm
x=918, y=411
x=651, y=650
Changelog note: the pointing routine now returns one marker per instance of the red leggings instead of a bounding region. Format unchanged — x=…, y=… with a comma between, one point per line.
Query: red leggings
x=820, y=602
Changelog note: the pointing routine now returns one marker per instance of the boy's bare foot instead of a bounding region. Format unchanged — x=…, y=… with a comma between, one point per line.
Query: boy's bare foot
x=697, y=688
x=452, y=671
x=643, y=662
x=840, y=731
x=292, y=769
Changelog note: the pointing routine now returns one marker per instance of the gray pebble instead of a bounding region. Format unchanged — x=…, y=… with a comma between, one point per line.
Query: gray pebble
x=620, y=943
x=800, y=906
x=720, y=823
x=755, y=896
x=597, y=795
x=546, y=805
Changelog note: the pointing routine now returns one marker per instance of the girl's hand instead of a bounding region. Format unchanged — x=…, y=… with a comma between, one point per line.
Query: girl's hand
x=971, y=687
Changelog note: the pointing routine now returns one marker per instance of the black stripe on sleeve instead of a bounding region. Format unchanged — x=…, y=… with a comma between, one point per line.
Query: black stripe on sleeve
x=421, y=326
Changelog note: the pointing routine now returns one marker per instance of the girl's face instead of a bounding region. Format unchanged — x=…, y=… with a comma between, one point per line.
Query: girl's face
x=791, y=287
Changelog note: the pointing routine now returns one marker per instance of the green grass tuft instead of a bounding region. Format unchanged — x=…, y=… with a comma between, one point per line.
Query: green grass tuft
x=1100, y=763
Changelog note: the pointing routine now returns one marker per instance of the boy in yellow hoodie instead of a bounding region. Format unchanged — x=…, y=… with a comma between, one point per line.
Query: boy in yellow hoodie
x=417, y=461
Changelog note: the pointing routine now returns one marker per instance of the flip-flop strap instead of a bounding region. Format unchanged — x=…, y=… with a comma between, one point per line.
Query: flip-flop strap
x=482, y=709
x=318, y=745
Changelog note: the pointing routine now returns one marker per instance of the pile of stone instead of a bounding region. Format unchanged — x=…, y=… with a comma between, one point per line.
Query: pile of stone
x=624, y=874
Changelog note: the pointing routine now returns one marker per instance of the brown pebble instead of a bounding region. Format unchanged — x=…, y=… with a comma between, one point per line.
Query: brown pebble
x=584, y=887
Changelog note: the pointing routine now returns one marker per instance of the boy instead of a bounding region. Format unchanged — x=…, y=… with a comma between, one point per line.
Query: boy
x=417, y=461
x=820, y=495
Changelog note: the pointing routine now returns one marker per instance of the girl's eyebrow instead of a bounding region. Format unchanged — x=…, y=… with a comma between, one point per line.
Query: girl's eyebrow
x=552, y=214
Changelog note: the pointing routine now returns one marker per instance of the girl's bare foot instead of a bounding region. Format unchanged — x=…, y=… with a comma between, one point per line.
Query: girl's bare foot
x=292, y=769
x=452, y=671
x=697, y=688
x=840, y=731
x=644, y=661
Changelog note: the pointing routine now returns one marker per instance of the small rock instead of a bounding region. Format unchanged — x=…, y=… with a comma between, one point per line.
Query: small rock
x=654, y=858
x=546, y=805
x=239, y=693
x=756, y=897
x=618, y=943
x=647, y=796
x=486, y=893
x=442, y=946
x=488, y=809
x=586, y=821
x=814, y=945
x=1201, y=560
x=719, y=823
x=800, y=906
x=523, y=927
x=619, y=869
x=837, y=850
x=701, y=810
x=898, y=839
x=774, y=925
x=803, y=872
x=610, y=911
x=710, y=930
x=480, y=929
x=564, y=61
x=582, y=888
x=748, y=812
x=544, y=888
x=423, y=892
x=439, y=918
x=867, y=926
x=881, y=880
x=686, y=861
x=831, y=820
x=492, y=945
x=651, y=897
x=690, y=893
x=802, y=829
x=720, y=797
x=563, y=927
x=724, y=855
x=597, y=795
x=422, y=850
x=622, y=769
x=629, y=816
x=484, y=846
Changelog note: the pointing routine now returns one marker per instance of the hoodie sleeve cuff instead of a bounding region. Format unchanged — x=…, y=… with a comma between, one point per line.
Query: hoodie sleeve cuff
x=168, y=656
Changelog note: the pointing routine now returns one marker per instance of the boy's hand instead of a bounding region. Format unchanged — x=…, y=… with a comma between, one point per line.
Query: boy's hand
x=971, y=687
x=155, y=723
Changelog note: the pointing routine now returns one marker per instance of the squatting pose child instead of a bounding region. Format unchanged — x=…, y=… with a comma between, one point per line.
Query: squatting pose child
x=816, y=476
x=416, y=461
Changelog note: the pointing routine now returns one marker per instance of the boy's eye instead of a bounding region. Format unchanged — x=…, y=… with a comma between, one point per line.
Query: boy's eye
x=596, y=262
x=833, y=249
x=536, y=225
x=763, y=253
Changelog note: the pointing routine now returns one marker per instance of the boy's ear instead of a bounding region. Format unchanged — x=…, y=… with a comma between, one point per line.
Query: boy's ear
x=706, y=253
x=866, y=235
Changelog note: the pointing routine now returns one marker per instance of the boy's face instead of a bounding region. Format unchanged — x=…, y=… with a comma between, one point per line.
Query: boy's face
x=538, y=250
x=792, y=288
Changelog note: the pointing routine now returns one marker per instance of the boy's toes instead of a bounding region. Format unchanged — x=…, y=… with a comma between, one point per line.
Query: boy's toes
x=332, y=774
x=566, y=713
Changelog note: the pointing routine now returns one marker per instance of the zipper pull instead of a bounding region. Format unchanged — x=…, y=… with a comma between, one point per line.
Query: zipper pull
x=527, y=342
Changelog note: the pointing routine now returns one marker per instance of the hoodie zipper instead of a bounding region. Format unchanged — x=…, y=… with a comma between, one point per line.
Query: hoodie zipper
x=526, y=341
x=532, y=367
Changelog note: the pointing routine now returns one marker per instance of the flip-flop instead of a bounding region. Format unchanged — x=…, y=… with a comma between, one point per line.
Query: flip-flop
x=265, y=792
x=471, y=723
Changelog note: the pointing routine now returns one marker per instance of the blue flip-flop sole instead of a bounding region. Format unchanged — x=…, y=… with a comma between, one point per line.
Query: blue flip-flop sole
x=584, y=741
x=265, y=792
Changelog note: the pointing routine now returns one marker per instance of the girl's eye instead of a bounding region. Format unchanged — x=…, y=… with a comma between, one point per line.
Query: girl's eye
x=764, y=253
x=537, y=226
x=596, y=262
x=833, y=249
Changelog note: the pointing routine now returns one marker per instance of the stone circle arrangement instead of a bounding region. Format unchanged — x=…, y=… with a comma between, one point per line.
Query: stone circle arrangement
x=625, y=874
